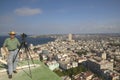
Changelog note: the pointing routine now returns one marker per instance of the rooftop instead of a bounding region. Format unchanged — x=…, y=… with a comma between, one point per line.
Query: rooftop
x=39, y=73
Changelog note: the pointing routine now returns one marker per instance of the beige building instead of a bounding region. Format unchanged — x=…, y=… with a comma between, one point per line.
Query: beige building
x=70, y=37
x=104, y=56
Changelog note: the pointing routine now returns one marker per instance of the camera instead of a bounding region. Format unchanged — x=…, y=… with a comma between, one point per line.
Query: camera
x=23, y=35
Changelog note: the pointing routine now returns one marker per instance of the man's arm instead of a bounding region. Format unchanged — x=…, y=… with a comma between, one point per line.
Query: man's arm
x=18, y=43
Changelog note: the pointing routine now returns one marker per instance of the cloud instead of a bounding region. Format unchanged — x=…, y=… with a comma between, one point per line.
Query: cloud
x=27, y=11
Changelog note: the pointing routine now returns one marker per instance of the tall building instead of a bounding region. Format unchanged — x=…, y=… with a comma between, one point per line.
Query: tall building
x=103, y=56
x=70, y=37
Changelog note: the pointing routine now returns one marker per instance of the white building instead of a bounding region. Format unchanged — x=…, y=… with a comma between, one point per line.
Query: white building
x=74, y=64
x=53, y=65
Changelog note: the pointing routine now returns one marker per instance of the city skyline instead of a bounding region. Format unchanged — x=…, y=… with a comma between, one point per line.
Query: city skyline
x=59, y=16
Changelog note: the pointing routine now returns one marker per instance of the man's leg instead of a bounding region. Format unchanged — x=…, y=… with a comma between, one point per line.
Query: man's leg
x=10, y=63
x=15, y=60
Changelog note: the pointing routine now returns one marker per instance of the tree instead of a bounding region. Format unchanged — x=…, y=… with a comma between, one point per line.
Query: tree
x=72, y=71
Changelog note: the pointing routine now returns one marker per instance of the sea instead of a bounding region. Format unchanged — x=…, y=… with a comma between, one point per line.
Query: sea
x=29, y=40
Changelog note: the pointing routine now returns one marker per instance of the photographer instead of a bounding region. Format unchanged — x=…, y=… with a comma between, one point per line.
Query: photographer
x=12, y=44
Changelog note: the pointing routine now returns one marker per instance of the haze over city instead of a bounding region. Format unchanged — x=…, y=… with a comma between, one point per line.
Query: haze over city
x=59, y=16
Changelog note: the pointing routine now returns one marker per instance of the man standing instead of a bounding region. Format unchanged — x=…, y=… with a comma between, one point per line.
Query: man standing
x=12, y=44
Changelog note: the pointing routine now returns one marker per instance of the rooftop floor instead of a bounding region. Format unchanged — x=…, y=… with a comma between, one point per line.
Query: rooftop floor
x=38, y=73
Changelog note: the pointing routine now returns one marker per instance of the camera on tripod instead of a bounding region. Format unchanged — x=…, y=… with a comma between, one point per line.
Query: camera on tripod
x=23, y=35
x=27, y=51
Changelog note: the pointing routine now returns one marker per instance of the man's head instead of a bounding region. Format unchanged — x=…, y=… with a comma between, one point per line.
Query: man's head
x=12, y=34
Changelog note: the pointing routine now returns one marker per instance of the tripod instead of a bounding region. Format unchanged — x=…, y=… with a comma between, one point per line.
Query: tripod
x=27, y=51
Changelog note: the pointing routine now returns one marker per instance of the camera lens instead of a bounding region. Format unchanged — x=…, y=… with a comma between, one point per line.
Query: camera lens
x=23, y=35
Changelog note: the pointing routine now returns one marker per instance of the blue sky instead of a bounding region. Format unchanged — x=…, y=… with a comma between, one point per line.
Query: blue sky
x=59, y=16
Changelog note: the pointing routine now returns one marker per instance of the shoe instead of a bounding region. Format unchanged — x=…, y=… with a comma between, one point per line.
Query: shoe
x=10, y=76
x=15, y=71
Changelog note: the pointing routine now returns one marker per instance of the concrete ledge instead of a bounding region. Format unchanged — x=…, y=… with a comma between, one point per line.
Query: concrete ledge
x=21, y=67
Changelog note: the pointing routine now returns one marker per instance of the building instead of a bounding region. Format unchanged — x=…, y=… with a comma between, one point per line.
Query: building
x=82, y=59
x=74, y=64
x=88, y=75
x=66, y=78
x=52, y=65
x=84, y=76
x=31, y=46
x=43, y=57
x=104, y=56
x=70, y=37
x=110, y=75
x=65, y=65
x=58, y=57
x=45, y=52
x=97, y=65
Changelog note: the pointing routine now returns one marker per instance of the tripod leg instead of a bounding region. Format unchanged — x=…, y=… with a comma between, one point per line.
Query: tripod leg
x=28, y=62
x=30, y=55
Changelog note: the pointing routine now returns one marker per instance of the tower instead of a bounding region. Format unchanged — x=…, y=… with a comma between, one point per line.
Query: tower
x=103, y=56
x=70, y=37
